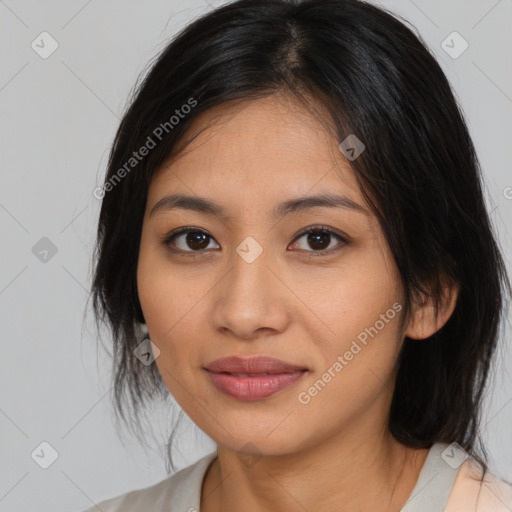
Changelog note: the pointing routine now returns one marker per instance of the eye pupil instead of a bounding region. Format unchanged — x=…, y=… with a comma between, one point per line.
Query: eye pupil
x=192, y=242
x=196, y=239
x=316, y=237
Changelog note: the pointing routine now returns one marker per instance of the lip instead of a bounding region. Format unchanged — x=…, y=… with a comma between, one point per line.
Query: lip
x=252, y=365
x=254, y=388
x=250, y=385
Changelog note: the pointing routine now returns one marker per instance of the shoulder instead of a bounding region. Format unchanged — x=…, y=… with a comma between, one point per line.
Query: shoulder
x=178, y=493
x=471, y=492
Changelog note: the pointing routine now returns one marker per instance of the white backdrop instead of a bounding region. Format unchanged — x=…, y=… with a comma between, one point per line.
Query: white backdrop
x=61, y=95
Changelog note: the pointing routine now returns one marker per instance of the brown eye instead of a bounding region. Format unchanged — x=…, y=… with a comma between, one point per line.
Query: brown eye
x=319, y=239
x=188, y=240
x=196, y=240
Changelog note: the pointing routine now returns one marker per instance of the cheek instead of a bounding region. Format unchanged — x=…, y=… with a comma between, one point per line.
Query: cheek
x=361, y=317
x=367, y=339
x=157, y=286
x=352, y=300
x=170, y=309
x=172, y=318
x=173, y=311
x=157, y=291
x=355, y=372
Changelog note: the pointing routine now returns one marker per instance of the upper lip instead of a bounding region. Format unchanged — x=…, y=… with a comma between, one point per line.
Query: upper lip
x=251, y=365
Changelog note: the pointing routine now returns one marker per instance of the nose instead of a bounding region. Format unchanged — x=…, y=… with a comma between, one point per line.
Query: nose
x=251, y=300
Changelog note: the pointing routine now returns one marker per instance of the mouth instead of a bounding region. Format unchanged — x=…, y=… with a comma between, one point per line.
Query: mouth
x=253, y=386
x=253, y=379
x=251, y=374
x=255, y=366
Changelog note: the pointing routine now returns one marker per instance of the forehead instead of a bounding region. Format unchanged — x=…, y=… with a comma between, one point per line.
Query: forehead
x=264, y=148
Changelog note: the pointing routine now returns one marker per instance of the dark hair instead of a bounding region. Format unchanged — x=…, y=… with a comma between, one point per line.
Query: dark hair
x=419, y=174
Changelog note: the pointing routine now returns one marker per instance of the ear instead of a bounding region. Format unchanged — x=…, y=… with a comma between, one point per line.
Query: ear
x=423, y=322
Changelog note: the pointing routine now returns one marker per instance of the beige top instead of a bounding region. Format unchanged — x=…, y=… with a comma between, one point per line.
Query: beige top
x=445, y=484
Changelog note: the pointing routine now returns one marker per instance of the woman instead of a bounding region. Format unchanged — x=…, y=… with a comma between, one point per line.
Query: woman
x=293, y=243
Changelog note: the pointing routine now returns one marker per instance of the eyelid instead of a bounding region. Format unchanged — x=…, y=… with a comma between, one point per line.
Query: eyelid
x=344, y=240
x=169, y=237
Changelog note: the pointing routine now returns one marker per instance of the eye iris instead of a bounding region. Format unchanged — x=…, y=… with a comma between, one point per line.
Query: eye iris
x=315, y=238
x=196, y=240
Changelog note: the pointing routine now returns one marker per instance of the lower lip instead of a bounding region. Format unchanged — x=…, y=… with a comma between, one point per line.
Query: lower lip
x=253, y=388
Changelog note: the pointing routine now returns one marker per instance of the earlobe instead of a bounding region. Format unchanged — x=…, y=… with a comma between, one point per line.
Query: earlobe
x=423, y=322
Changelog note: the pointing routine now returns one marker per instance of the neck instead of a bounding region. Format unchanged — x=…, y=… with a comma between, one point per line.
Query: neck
x=345, y=473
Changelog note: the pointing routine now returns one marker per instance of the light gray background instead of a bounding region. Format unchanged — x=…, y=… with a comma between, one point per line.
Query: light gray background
x=58, y=118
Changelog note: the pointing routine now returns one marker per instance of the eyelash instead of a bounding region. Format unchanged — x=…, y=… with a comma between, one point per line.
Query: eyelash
x=167, y=239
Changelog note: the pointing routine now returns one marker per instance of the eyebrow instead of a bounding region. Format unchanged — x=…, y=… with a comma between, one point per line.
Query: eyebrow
x=209, y=207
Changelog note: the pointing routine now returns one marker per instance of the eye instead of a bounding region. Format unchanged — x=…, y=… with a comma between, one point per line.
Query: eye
x=195, y=239
x=320, y=238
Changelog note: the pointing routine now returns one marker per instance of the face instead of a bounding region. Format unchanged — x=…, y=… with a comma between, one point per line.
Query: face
x=248, y=280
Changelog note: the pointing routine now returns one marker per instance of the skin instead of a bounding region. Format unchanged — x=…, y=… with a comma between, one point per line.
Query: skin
x=334, y=453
